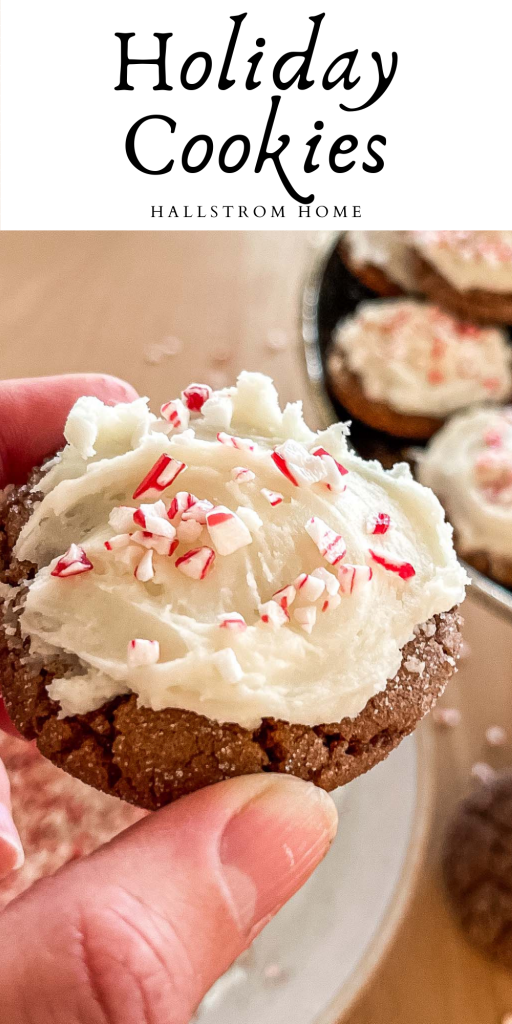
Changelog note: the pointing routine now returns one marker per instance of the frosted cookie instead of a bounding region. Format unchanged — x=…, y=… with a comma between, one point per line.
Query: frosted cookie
x=403, y=366
x=221, y=591
x=468, y=464
x=381, y=260
x=468, y=272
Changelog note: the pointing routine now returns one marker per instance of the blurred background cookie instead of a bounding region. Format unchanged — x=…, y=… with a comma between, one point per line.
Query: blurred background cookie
x=379, y=259
x=402, y=366
x=468, y=272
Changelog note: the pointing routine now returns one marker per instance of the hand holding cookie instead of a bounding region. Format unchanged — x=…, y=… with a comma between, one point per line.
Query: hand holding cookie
x=142, y=928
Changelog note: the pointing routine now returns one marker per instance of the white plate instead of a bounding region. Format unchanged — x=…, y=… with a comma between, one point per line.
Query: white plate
x=323, y=946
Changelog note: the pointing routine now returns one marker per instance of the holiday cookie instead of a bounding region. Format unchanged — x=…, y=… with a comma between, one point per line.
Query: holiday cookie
x=403, y=366
x=478, y=867
x=468, y=272
x=468, y=464
x=381, y=260
x=221, y=591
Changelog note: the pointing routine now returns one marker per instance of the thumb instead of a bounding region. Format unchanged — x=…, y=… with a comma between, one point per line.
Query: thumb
x=138, y=932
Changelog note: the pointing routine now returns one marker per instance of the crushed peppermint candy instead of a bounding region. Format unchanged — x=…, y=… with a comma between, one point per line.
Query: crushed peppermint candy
x=227, y=530
x=299, y=466
x=162, y=545
x=73, y=563
x=306, y=617
x=181, y=503
x=160, y=476
x=121, y=519
x=188, y=531
x=378, y=524
x=273, y=614
x=334, y=471
x=250, y=518
x=196, y=563
x=232, y=620
x=118, y=541
x=331, y=602
x=310, y=588
x=273, y=497
x=177, y=414
x=142, y=652
x=227, y=664
x=144, y=571
x=242, y=475
x=332, y=584
x=153, y=520
x=285, y=597
x=198, y=511
x=403, y=569
x=330, y=544
x=240, y=443
x=352, y=578
x=195, y=396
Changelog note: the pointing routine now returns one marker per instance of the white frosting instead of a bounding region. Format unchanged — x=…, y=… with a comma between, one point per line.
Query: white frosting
x=469, y=260
x=421, y=361
x=469, y=465
x=388, y=250
x=232, y=675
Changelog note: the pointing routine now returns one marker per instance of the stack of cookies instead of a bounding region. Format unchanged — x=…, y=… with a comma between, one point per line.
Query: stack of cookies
x=428, y=358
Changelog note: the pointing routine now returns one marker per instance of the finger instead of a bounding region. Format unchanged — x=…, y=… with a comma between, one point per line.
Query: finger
x=138, y=932
x=11, y=850
x=33, y=413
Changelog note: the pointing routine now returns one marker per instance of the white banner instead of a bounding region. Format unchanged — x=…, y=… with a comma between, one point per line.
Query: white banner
x=266, y=114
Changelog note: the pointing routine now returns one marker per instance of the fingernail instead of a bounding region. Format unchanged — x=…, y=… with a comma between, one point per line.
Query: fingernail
x=272, y=845
x=11, y=851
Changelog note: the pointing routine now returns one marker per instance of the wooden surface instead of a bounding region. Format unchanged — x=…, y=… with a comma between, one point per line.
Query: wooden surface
x=73, y=302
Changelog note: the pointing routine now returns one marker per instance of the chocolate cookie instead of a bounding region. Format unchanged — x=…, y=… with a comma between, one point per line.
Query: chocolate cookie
x=370, y=275
x=478, y=867
x=349, y=391
x=486, y=307
x=152, y=757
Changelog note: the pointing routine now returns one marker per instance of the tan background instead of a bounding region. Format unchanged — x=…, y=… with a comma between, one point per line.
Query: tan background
x=109, y=301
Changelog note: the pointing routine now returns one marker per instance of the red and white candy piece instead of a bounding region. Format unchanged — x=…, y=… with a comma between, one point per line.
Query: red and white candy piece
x=196, y=563
x=310, y=588
x=353, y=578
x=403, y=569
x=188, y=531
x=177, y=414
x=227, y=530
x=233, y=621
x=160, y=476
x=273, y=497
x=242, y=475
x=198, y=511
x=330, y=544
x=250, y=518
x=119, y=541
x=73, y=563
x=121, y=518
x=331, y=602
x=285, y=597
x=152, y=520
x=144, y=571
x=162, y=545
x=306, y=617
x=195, y=396
x=331, y=583
x=242, y=444
x=334, y=471
x=378, y=524
x=181, y=502
x=299, y=466
x=142, y=652
x=273, y=615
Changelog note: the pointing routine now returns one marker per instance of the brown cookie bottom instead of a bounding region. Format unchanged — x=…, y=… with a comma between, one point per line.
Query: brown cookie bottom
x=150, y=758
x=477, y=867
x=348, y=388
x=486, y=307
x=372, y=276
